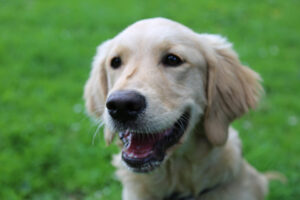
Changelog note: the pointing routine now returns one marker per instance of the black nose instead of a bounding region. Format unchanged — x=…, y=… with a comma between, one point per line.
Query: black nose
x=125, y=105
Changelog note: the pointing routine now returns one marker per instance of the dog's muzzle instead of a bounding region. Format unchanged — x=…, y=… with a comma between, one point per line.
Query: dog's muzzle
x=142, y=151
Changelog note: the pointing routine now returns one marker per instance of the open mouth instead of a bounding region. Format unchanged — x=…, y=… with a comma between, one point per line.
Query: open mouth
x=143, y=152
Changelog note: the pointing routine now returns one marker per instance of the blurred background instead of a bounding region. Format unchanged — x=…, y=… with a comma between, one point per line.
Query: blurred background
x=46, y=47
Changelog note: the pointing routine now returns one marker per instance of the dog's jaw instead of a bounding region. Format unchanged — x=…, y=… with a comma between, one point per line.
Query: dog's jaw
x=144, y=152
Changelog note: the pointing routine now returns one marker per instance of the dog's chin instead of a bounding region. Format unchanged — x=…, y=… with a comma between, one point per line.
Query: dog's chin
x=144, y=152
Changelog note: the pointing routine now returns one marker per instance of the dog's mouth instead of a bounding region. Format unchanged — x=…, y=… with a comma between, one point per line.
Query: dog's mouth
x=143, y=152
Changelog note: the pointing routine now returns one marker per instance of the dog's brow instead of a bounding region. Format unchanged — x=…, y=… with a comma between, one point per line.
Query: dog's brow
x=132, y=71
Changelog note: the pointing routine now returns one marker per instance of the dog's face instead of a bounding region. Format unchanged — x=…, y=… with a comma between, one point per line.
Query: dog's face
x=157, y=79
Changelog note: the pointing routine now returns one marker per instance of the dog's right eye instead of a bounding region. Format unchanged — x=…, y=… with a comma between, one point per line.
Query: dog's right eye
x=116, y=62
x=171, y=60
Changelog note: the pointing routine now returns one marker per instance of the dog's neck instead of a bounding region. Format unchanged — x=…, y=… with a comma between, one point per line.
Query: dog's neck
x=202, y=162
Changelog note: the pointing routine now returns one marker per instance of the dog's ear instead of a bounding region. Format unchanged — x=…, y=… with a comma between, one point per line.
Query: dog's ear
x=96, y=87
x=232, y=89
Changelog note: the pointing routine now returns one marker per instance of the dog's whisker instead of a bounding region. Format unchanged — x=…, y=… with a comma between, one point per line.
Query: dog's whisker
x=96, y=132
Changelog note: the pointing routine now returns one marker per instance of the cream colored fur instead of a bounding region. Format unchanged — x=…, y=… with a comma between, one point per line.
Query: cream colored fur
x=211, y=82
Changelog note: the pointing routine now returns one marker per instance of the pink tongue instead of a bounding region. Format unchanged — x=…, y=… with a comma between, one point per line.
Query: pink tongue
x=140, y=146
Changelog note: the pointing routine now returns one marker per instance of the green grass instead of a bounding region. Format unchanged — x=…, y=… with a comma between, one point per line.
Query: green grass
x=46, y=48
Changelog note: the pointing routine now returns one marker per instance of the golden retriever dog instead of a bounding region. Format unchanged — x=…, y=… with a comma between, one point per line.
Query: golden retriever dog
x=170, y=94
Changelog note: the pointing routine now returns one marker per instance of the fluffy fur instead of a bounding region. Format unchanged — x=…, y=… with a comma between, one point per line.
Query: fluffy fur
x=207, y=162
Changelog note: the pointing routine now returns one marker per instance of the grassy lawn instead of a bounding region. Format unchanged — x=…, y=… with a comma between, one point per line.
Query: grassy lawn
x=46, y=48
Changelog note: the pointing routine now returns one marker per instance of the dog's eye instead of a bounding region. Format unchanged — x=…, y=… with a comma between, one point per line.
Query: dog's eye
x=171, y=60
x=116, y=62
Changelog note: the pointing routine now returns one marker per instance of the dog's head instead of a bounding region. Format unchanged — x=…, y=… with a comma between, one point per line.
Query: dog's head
x=157, y=79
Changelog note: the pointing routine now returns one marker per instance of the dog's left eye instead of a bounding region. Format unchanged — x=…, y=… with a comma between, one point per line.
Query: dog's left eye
x=171, y=60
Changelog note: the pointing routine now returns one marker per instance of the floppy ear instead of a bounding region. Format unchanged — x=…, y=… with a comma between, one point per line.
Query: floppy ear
x=232, y=89
x=96, y=87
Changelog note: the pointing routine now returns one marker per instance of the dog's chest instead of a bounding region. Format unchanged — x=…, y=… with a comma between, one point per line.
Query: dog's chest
x=178, y=196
